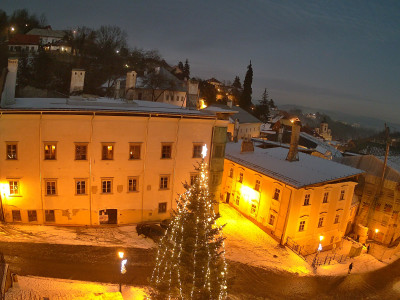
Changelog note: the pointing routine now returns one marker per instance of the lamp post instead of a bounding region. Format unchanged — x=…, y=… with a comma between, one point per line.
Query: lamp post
x=123, y=267
x=376, y=232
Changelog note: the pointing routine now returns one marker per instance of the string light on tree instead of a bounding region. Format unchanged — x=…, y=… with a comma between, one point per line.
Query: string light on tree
x=190, y=261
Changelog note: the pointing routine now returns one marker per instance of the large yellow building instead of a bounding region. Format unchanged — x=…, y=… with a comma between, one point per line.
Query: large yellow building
x=295, y=201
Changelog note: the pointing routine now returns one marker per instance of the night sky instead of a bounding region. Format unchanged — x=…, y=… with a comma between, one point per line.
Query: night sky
x=334, y=55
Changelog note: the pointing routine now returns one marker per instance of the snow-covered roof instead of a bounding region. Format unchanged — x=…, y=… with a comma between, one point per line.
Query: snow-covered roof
x=322, y=147
x=266, y=128
x=219, y=109
x=47, y=32
x=102, y=105
x=308, y=170
x=244, y=116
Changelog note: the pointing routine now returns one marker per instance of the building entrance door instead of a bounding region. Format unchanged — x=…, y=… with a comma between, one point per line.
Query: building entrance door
x=108, y=216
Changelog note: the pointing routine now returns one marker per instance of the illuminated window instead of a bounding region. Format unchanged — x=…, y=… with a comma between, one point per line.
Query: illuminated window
x=164, y=182
x=337, y=219
x=49, y=215
x=134, y=151
x=107, y=152
x=240, y=177
x=11, y=151
x=320, y=221
x=307, y=199
x=231, y=173
x=80, y=152
x=237, y=201
x=302, y=225
x=197, y=150
x=162, y=207
x=193, y=178
x=50, y=151
x=132, y=184
x=14, y=187
x=51, y=187
x=80, y=186
x=257, y=186
x=276, y=194
x=326, y=195
x=341, y=195
x=253, y=209
x=166, y=151
x=32, y=216
x=106, y=186
x=271, y=220
x=16, y=215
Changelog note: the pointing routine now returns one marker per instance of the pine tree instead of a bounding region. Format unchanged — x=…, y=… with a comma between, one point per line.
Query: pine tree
x=180, y=66
x=186, y=70
x=262, y=109
x=236, y=90
x=190, y=261
x=245, y=99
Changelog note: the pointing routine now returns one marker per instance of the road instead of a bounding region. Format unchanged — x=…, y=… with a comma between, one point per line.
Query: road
x=101, y=264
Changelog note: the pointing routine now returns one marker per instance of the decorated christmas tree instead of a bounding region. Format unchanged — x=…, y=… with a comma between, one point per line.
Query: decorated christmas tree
x=190, y=262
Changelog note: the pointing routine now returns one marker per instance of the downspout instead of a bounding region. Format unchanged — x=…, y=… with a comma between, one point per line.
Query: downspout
x=175, y=152
x=90, y=169
x=40, y=167
x=282, y=241
x=144, y=164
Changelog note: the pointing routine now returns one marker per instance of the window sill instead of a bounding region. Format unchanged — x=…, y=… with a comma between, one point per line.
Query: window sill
x=81, y=194
x=106, y=193
x=14, y=196
x=163, y=189
x=51, y=195
x=108, y=159
x=134, y=159
x=80, y=159
x=132, y=192
x=165, y=158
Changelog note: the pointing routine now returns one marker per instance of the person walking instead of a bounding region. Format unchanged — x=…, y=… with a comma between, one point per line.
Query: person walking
x=350, y=268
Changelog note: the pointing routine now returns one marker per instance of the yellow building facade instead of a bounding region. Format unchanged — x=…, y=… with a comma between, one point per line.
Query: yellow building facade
x=85, y=162
x=296, y=202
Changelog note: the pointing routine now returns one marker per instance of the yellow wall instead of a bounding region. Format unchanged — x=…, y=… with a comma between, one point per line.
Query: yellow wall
x=29, y=131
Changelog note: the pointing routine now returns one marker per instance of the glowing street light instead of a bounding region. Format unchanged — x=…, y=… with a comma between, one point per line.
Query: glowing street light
x=123, y=266
x=12, y=29
x=121, y=254
x=376, y=230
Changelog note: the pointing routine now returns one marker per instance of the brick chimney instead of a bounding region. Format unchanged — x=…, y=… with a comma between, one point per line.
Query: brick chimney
x=247, y=145
x=8, y=94
x=293, y=155
x=77, y=81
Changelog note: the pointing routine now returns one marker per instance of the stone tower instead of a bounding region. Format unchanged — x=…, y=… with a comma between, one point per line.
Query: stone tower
x=130, y=80
x=8, y=95
x=77, y=81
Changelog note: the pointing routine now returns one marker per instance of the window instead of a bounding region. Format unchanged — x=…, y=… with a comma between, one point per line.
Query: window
x=51, y=187
x=50, y=151
x=132, y=184
x=271, y=220
x=80, y=152
x=257, y=186
x=164, y=182
x=302, y=225
x=307, y=200
x=11, y=151
x=166, y=151
x=106, y=186
x=14, y=187
x=134, y=151
x=231, y=173
x=387, y=208
x=193, y=178
x=49, y=215
x=326, y=195
x=162, y=207
x=16, y=215
x=214, y=179
x=197, y=150
x=107, y=152
x=237, y=201
x=240, y=177
x=80, y=185
x=337, y=219
x=253, y=209
x=276, y=194
x=341, y=195
x=219, y=151
x=320, y=221
x=32, y=215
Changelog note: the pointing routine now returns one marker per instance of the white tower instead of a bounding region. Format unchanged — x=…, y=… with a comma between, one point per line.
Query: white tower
x=130, y=80
x=77, y=81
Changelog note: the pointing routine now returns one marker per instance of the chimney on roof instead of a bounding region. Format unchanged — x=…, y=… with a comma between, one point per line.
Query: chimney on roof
x=293, y=155
x=130, y=81
x=77, y=82
x=8, y=94
x=247, y=145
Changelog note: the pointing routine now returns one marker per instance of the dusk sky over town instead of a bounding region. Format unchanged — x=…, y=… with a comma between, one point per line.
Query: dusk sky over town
x=333, y=55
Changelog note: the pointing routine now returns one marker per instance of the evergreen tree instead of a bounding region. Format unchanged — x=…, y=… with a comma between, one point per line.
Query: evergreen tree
x=271, y=104
x=236, y=90
x=190, y=260
x=245, y=99
x=186, y=69
x=180, y=66
x=262, y=109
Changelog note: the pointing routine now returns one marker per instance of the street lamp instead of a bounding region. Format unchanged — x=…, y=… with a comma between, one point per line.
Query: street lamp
x=376, y=232
x=123, y=267
x=12, y=28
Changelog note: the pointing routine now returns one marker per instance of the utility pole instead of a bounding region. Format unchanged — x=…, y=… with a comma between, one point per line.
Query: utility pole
x=378, y=190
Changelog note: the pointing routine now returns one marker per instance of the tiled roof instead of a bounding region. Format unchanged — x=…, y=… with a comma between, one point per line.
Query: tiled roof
x=24, y=39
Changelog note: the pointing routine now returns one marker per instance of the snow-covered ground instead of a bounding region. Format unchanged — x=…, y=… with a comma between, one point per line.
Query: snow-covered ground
x=245, y=243
x=31, y=287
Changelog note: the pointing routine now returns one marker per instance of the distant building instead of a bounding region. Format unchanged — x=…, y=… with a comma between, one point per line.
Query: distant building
x=24, y=43
x=51, y=40
x=324, y=131
x=297, y=201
